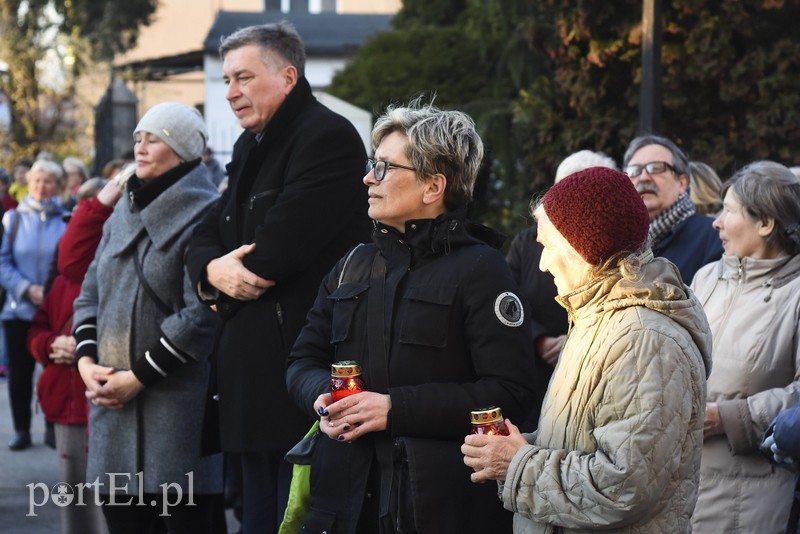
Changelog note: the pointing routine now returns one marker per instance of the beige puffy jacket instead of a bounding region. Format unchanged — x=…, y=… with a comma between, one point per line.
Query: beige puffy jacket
x=619, y=440
x=753, y=307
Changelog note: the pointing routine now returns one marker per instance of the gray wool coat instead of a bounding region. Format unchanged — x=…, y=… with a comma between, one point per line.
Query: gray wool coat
x=158, y=433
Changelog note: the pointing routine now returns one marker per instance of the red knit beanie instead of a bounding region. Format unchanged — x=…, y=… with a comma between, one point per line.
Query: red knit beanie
x=599, y=213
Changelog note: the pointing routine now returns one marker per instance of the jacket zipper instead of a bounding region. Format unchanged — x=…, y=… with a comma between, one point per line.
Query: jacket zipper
x=259, y=195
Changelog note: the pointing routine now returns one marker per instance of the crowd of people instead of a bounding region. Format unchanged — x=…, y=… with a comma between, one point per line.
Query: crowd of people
x=640, y=337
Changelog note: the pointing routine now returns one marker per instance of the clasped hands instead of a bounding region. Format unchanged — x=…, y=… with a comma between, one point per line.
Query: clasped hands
x=106, y=386
x=351, y=417
x=62, y=350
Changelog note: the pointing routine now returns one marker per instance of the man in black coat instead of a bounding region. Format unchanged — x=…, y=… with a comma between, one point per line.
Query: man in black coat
x=660, y=171
x=294, y=205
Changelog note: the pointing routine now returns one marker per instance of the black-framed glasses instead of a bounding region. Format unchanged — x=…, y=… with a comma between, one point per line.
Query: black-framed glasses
x=382, y=166
x=653, y=167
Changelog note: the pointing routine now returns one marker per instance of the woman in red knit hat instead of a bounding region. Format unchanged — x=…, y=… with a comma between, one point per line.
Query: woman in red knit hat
x=620, y=433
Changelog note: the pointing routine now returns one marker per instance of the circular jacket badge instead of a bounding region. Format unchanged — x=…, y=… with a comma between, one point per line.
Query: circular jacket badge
x=508, y=309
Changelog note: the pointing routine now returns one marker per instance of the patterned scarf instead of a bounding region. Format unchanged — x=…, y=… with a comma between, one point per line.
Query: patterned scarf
x=662, y=225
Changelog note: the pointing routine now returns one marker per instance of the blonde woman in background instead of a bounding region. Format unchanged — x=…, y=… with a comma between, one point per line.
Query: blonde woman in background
x=704, y=188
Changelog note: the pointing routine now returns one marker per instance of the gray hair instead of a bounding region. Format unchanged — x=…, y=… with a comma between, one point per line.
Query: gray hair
x=77, y=164
x=279, y=38
x=582, y=160
x=679, y=160
x=439, y=141
x=769, y=189
x=47, y=166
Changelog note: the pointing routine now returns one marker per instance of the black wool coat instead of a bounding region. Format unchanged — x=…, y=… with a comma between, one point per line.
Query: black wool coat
x=298, y=194
x=457, y=339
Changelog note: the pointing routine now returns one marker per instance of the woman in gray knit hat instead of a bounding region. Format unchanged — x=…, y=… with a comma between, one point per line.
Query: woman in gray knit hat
x=143, y=338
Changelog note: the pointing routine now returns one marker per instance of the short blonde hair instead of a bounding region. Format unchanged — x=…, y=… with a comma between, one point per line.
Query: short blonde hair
x=439, y=141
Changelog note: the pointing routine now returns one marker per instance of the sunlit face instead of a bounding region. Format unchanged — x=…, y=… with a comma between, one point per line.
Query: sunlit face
x=153, y=156
x=741, y=234
x=659, y=191
x=42, y=185
x=399, y=196
x=256, y=90
x=568, y=268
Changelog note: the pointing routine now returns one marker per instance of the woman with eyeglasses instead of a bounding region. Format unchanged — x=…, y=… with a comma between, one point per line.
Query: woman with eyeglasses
x=431, y=313
x=752, y=299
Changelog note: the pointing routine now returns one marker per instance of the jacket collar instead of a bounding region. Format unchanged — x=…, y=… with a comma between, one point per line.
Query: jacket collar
x=161, y=219
x=297, y=99
x=434, y=237
x=46, y=208
x=775, y=272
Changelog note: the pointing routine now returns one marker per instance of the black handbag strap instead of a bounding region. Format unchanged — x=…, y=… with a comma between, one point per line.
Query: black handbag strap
x=149, y=290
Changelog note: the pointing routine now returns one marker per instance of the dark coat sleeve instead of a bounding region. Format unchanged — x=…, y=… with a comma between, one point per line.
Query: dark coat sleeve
x=322, y=194
x=206, y=242
x=308, y=374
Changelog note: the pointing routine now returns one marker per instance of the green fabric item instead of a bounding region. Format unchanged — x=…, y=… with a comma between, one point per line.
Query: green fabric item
x=299, y=496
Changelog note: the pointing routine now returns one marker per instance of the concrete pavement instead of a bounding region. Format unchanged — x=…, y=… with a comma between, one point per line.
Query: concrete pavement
x=37, y=464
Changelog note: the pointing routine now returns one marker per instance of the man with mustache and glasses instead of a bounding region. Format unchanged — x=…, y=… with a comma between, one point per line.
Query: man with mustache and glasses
x=660, y=172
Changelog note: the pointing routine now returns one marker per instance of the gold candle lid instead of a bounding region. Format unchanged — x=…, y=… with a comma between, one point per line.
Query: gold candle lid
x=345, y=369
x=486, y=415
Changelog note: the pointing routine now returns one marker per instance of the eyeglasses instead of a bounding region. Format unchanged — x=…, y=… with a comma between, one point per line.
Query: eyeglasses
x=381, y=167
x=653, y=167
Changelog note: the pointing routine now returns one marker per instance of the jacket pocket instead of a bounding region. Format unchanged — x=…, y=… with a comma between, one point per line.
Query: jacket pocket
x=345, y=299
x=427, y=315
x=263, y=200
x=320, y=522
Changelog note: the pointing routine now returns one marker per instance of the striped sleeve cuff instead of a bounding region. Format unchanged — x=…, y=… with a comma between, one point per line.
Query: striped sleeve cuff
x=158, y=362
x=86, y=339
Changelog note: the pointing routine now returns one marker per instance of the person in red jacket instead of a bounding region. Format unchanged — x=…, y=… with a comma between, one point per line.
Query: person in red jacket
x=61, y=389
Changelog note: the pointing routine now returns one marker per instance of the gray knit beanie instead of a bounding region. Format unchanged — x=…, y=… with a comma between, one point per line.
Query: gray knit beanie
x=179, y=126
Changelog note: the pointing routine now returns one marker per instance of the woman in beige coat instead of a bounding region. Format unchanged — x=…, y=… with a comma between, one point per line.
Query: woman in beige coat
x=752, y=299
x=620, y=434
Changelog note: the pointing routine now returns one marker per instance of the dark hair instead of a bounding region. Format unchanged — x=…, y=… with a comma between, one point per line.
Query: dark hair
x=769, y=189
x=280, y=38
x=679, y=160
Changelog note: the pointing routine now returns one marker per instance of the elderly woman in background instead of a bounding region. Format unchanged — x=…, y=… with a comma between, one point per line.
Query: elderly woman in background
x=752, y=299
x=31, y=233
x=143, y=338
x=618, y=443
x=76, y=174
x=432, y=314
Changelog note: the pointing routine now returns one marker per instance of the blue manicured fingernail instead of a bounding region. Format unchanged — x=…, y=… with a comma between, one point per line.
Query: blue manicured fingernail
x=340, y=438
x=322, y=411
x=346, y=428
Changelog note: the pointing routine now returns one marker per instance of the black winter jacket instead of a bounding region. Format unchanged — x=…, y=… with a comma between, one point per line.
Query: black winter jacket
x=457, y=339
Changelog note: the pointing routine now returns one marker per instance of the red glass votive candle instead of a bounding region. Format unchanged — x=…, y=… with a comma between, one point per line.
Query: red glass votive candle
x=346, y=380
x=488, y=421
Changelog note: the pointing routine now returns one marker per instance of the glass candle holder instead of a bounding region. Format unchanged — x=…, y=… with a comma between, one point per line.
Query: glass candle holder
x=488, y=421
x=346, y=380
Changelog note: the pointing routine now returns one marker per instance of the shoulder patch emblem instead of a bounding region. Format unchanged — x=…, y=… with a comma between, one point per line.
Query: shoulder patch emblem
x=508, y=309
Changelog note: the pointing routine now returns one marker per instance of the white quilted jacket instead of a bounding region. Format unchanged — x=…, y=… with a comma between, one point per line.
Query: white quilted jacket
x=621, y=431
